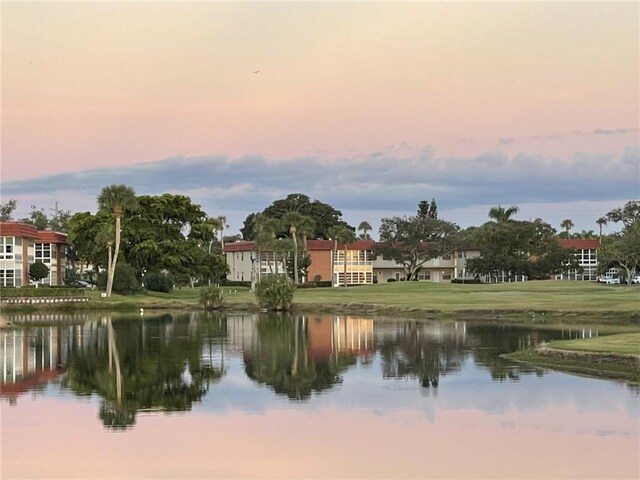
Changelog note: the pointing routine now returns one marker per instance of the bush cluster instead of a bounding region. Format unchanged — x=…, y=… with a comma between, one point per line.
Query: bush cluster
x=124, y=280
x=466, y=280
x=211, y=298
x=275, y=293
x=236, y=283
x=31, y=292
x=158, y=282
x=318, y=284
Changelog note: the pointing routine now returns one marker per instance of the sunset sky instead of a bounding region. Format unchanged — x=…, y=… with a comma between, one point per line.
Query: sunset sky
x=370, y=107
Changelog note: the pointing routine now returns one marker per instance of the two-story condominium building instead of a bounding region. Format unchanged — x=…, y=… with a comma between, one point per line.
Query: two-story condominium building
x=363, y=265
x=586, y=251
x=21, y=245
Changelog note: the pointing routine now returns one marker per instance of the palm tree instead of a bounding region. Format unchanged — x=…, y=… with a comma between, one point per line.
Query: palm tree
x=364, y=227
x=297, y=224
x=567, y=225
x=501, y=214
x=118, y=199
x=343, y=235
x=264, y=232
x=601, y=221
x=221, y=226
x=215, y=224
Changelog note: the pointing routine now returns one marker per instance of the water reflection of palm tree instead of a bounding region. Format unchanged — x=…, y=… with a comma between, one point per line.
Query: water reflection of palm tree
x=114, y=359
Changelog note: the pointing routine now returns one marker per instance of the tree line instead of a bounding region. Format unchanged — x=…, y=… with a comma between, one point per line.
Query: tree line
x=169, y=233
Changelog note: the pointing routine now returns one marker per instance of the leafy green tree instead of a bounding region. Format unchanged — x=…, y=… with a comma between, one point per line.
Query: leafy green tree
x=622, y=249
x=37, y=218
x=324, y=216
x=628, y=215
x=514, y=248
x=7, y=209
x=344, y=236
x=413, y=241
x=118, y=199
x=38, y=271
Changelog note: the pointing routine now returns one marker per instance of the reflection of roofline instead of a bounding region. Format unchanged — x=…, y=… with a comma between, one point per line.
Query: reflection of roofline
x=29, y=383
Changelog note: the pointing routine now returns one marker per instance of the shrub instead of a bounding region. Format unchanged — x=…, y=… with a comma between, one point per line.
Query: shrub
x=391, y=280
x=38, y=271
x=466, y=280
x=45, y=291
x=124, y=280
x=236, y=283
x=275, y=292
x=211, y=298
x=318, y=284
x=158, y=282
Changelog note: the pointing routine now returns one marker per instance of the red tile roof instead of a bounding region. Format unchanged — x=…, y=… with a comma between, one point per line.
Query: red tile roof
x=48, y=236
x=17, y=229
x=317, y=245
x=25, y=230
x=579, y=243
x=242, y=246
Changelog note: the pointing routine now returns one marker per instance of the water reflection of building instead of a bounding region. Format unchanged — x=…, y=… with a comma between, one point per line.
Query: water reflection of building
x=30, y=358
x=340, y=334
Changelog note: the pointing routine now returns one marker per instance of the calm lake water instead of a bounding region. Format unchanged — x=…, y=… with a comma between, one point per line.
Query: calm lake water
x=317, y=396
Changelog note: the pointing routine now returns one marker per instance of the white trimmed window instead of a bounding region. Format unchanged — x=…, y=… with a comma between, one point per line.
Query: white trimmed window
x=43, y=253
x=8, y=247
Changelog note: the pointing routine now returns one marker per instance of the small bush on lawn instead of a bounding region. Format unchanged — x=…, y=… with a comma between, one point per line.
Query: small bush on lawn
x=275, y=293
x=124, y=280
x=211, y=297
x=158, y=282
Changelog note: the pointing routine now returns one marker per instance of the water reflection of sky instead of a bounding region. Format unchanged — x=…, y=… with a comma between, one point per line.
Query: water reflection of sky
x=473, y=425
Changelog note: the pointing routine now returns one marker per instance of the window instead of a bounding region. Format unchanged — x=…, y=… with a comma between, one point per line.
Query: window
x=7, y=248
x=7, y=278
x=43, y=252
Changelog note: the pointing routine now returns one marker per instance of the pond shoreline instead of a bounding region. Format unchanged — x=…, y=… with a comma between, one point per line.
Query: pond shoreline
x=580, y=362
x=598, y=364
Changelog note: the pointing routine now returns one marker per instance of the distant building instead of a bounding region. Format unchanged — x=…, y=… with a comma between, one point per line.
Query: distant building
x=21, y=245
x=586, y=251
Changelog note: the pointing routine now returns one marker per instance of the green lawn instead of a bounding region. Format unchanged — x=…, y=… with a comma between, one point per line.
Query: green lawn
x=560, y=296
x=550, y=296
x=625, y=344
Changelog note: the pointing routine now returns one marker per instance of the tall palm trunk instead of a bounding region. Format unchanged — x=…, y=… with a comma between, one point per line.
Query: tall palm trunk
x=112, y=266
x=294, y=237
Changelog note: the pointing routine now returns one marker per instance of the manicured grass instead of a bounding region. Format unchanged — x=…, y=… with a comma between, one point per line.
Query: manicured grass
x=610, y=356
x=624, y=344
x=552, y=296
x=559, y=296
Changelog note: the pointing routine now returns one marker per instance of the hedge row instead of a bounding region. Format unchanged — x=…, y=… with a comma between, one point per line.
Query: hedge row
x=30, y=292
x=320, y=284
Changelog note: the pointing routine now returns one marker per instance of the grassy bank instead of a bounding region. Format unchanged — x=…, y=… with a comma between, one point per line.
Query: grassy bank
x=611, y=356
x=560, y=299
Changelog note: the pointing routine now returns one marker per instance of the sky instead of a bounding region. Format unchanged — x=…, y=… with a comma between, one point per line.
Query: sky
x=370, y=107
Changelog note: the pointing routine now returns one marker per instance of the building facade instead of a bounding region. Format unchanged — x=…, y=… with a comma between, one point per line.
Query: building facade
x=363, y=266
x=586, y=251
x=21, y=245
